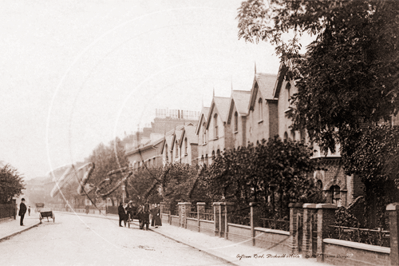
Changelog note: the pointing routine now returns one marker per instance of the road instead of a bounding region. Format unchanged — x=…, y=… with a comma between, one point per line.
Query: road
x=85, y=240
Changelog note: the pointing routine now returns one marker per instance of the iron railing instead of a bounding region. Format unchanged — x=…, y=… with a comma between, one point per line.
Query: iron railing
x=209, y=216
x=283, y=225
x=377, y=237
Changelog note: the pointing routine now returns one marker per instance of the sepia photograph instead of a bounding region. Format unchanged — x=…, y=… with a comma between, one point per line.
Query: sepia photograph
x=199, y=133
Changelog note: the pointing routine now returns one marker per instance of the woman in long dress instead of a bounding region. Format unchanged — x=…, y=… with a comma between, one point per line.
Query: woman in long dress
x=157, y=218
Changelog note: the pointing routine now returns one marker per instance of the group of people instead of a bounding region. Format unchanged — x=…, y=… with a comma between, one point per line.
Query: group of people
x=143, y=213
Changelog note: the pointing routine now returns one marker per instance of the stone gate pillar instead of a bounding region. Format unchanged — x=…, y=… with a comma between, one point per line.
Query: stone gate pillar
x=296, y=227
x=200, y=210
x=393, y=212
x=309, y=224
x=217, y=213
x=184, y=209
x=325, y=218
x=226, y=217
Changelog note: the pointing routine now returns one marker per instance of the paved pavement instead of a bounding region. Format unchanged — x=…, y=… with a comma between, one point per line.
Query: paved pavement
x=229, y=252
x=11, y=227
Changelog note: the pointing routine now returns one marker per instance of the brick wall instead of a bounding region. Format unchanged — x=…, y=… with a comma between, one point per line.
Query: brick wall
x=363, y=254
x=273, y=118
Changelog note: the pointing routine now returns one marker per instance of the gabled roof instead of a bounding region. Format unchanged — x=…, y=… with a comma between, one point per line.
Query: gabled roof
x=169, y=137
x=179, y=133
x=189, y=133
x=202, y=118
x=222, y=105
x=282, y=71
x=146, y=147
x=239, y=99
x=264, y=83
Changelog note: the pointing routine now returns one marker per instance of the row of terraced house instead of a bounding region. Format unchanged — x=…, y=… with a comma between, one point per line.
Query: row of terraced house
x=247, y=116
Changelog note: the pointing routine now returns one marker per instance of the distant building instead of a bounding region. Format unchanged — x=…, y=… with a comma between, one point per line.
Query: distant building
x=146, y=146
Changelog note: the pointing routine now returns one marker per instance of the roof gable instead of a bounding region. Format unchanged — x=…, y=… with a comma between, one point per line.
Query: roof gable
x=263, y=83
x=202, y=118
x=221, y=105
x=239, y=99
x=282, y=71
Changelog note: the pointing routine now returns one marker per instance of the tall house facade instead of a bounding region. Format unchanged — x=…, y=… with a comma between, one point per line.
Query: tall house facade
x=202, y=136
x=237, y=118
x=338, y=187
x=262, y=121
x=219, y=134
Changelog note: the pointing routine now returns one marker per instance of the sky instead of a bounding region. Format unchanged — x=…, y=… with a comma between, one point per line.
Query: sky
x=78, y=73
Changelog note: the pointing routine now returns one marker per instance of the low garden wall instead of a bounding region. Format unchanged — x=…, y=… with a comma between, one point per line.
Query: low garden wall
x=309, y=234
x=341, y=252
x=239, y=233
x=7, y=211
x=273, y=239
x=207, y=227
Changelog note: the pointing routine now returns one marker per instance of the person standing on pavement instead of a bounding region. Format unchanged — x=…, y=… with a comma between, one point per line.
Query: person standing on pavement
x=22, y=211
x=158, y=221
x=122, y=215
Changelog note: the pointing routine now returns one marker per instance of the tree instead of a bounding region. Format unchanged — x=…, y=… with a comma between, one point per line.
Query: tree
x=11, y=184
x=272, y=169
x=349, y=74
x=374, y=156
x=107, y=159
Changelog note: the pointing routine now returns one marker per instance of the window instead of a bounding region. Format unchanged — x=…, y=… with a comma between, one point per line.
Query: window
x=213, y=155
x=335, y=193
x=218, y=153
x=260, y=109
x=177, y=149
x=285, y=136
x=302, y=134
x=235, y=121
x=293, y=135
x=206, y=159
x=202, y=159
x=204, y=135
x=166, y=153
x=319, y=185
x=215, y=117
x=185, y=146
x=288, y=88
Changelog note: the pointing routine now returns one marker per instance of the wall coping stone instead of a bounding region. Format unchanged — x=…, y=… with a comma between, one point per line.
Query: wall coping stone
x=201, y=203
x=274, y=231
x=240, y=226
x=217, y=203
x=227, y=203
x=309, y=206
x=357, y=245
x=184, y=203
x=295, y=205
x=326, y=206
x=193, y=219
x=207, y=221
x=393, y=206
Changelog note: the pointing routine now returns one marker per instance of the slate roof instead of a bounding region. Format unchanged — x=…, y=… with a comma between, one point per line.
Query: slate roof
x=203, y=117
x=189, y=132
x=241, y=101
x=266, y=83
x=222, y=105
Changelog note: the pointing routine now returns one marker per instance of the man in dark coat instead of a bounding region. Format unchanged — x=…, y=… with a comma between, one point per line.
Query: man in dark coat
x=122, y=215
x=22, y=211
